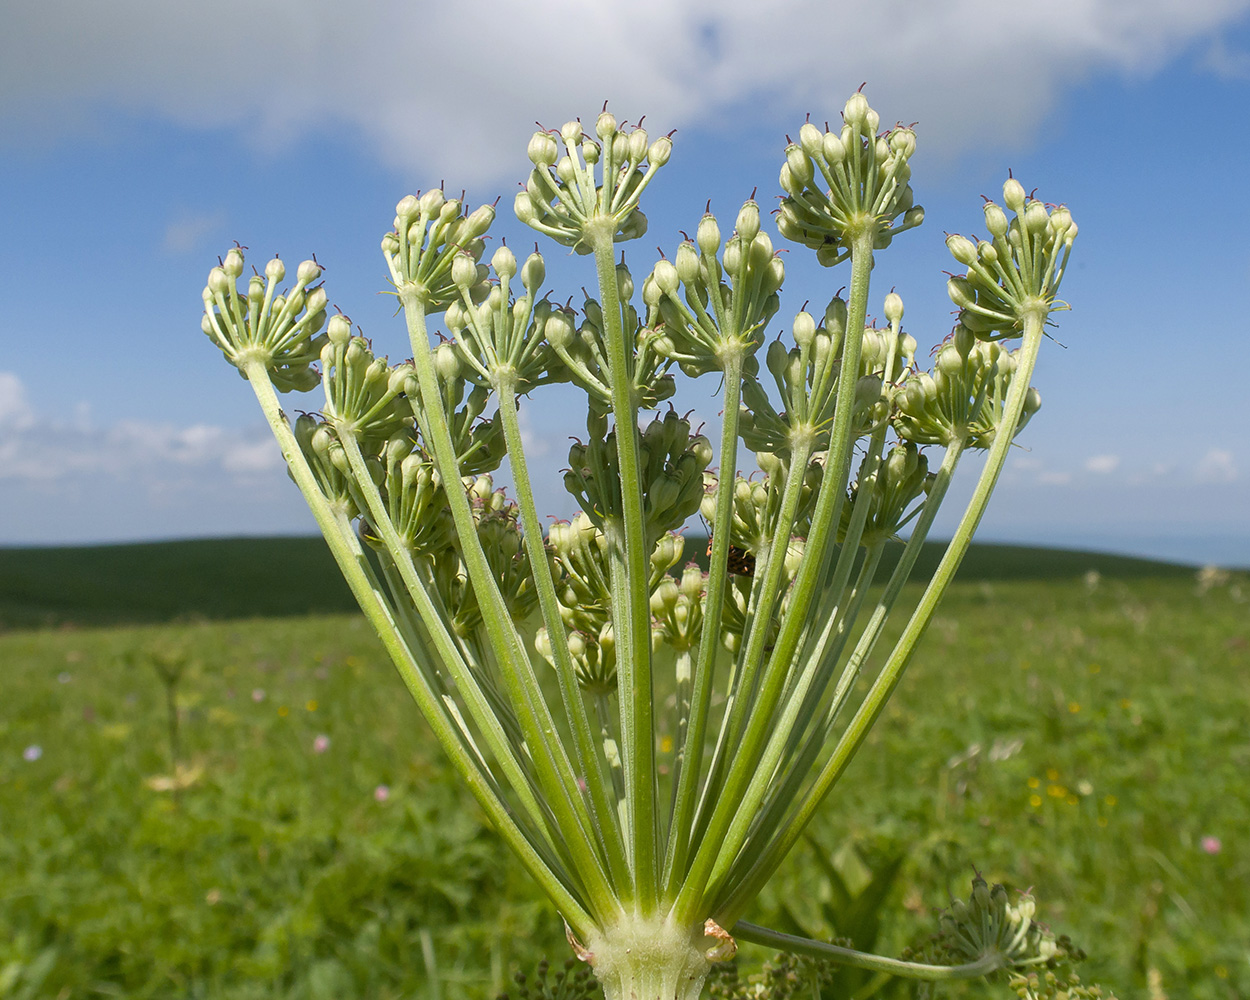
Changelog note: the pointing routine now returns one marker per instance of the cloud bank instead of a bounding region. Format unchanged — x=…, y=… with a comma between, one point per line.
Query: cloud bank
x=439, y=94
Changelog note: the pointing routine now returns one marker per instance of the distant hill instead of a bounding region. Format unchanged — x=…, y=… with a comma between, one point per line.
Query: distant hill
x=273, y=577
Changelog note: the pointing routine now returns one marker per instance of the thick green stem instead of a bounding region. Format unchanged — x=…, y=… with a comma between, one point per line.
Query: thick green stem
x=649, y=958
x=351, y=564
x=874, y=702
x=829, y=501
x=575, y=707
x=633, y=626
x=690, y=762
x=554, y=770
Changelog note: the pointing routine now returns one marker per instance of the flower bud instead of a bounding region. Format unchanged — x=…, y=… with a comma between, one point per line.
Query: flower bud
x=856, y=110
x=1013, y=195
x=800, y=164
x=624, y=282
x=605, y=126
x=255, y=290
x=1036, y=218
x=571, y=133
x=804, y=329
x=434, y=203
x=559, y=329
x=902, y=142
x=590, y=151
x=637, y=145
x=523, y=208
x=340, y=331
x=275, y=270
x=533, y=273
x=233, y=265
x=894, y=307
x=660, y=151
x=962, y=249
x=478, y=221
x=995, y=220
x=447, y=362
x=748, y=222
x=831, y=148
x=666, y=277
x=308, y=272
x=542, y=149
x=708, y=235
x=463, y=271
x=504, y=262
x=687, y=265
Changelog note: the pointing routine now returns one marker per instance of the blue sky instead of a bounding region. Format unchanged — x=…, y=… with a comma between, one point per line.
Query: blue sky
x=139, y=139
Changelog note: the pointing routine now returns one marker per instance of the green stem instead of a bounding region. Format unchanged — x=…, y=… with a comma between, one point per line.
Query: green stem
x=863, y=960
x=690, y=763
x=874, y=702
x=575, y=707
x=829, y=500
x=541, y=736
x=445, y=646
x=633, y=629
x=351, y=564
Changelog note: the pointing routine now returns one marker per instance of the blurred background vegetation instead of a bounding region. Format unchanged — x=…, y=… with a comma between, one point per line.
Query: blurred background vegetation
x=213, y=785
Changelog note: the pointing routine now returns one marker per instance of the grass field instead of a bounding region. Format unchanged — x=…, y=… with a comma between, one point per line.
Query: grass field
x=1088, y=741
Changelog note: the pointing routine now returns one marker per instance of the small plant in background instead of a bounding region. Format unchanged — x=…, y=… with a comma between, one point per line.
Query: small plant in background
x=555, y=726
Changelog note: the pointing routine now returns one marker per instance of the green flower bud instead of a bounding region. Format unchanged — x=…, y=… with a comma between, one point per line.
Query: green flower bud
x=605, y=126
x=962, y=249
x=800, y=164
x=308, y=272
x=666, y=276
x=590, y=152
x=748, y=223
x=504, y=262
x=233, y=265
x=637, y=145
x=995, y=220
x=812, y=140
x=275, y=270
x=1014, y=195
x=708, y=235
x=855, y=113
x=340, y=331
x=533, y=273
x=804, y=329
x=571, y=133
x=464, y=271
x=659, y=152
x=894, y=307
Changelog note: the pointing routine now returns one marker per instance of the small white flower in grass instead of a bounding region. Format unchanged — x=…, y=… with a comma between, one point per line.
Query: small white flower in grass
x=321, y=744
x=382, y=793
x=32, y=752
x=64, y=677
x=258, y=695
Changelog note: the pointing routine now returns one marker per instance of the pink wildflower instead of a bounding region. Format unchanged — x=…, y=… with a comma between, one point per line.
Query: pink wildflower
x=1211, y=845
x=382, y=793
x=321, y=744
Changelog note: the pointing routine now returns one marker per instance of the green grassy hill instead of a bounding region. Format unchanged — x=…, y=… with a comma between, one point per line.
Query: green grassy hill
x=228, y=578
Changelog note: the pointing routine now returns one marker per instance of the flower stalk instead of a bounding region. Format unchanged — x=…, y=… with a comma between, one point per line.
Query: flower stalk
x=535, y=658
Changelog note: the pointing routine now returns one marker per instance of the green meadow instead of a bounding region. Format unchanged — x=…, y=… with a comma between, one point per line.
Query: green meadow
x=1080, y=733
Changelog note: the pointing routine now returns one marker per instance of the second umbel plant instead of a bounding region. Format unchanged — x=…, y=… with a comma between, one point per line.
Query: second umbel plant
x=551, y=665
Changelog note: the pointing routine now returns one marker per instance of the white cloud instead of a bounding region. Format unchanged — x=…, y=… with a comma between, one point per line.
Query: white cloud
x=1217, y=466
x=433, y=94
x=1055, y=478
x=148, y=456
x=188, y=231
x=1102, y=464
x=15, y=411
